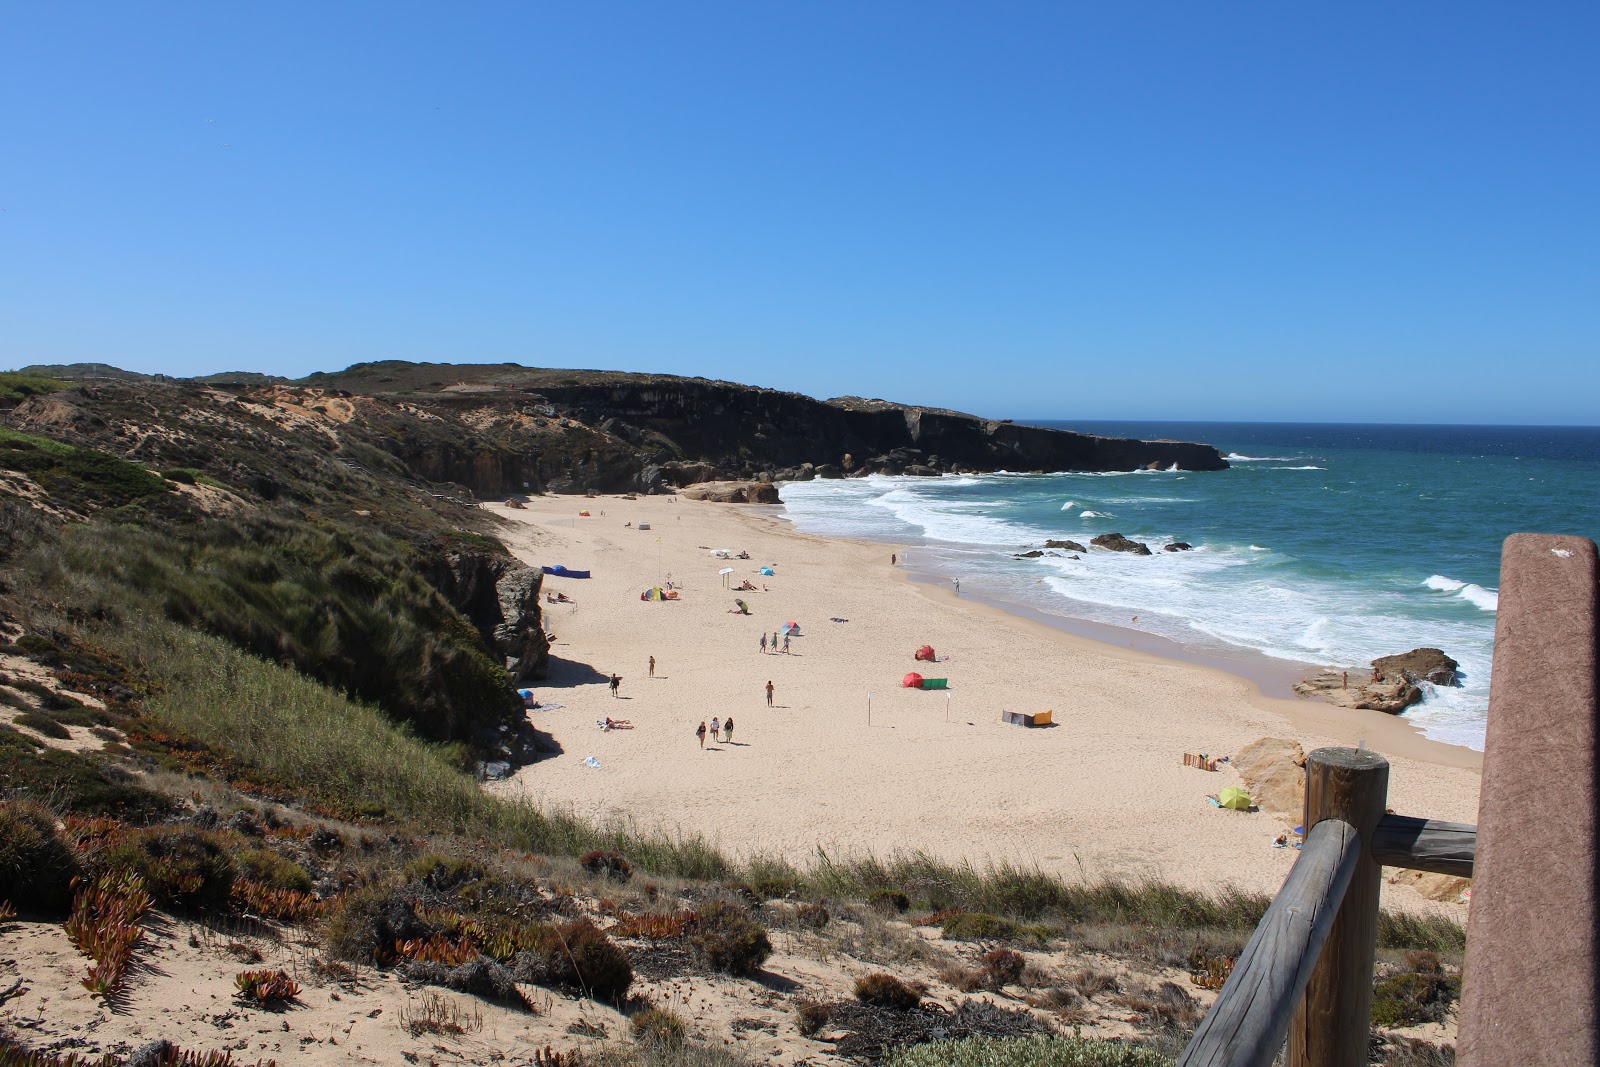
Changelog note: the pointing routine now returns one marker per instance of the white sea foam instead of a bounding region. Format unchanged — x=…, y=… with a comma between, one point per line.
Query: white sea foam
x=1259, y=548
x=1235, y=457
x=1069, y=505
x=1476, y=595
x=1299, y=468
x=1087, y=514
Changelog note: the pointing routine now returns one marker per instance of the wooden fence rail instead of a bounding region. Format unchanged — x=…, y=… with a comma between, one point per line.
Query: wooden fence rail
x=1247, y=1025
x=1426, y=845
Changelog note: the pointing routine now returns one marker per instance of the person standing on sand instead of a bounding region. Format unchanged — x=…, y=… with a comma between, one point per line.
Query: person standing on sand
x=769, y=692
x=616, y=683
x=958, y=585
x=893, y=558
x=701, y=733
x=763, y=642
x=785, y=644
x=652, y=666
x=716, y=728
x=774, y=640
x=727, y=729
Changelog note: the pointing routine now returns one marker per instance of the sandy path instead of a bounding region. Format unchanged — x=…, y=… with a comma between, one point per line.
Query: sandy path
x=1103, y=793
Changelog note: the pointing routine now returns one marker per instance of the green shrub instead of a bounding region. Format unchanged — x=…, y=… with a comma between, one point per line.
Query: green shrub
x=181, y=475
x=364, y=925
x=889, y=901
x=887, y=991
x=272, y=870
x=658, y=1027
x=35, y=645
x=73, y=781
x=579, y=955
x=1039, y=1051
x=77, y=476
x=1422, y=993
x=729, y=941
x=39, y=722
x=36, y=865
x=444, y=874
x=978, y=926
x=181, y=867
x=17, y=386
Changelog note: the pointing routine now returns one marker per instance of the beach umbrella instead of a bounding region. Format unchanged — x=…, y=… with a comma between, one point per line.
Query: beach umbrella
x=1235, y=798
x=767, y=571
x=911, y=681
x=744, y=609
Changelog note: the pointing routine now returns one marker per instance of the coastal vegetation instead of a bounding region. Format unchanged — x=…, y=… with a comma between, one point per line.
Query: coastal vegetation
x=249, y=667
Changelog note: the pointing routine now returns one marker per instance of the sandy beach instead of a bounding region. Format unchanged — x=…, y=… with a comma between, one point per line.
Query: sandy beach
x=1102, y=793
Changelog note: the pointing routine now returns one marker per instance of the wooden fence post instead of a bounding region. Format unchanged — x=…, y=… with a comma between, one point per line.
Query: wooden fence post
x=1330, y=1029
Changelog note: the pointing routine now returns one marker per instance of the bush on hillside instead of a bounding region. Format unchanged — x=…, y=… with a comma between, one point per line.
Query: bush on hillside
x=729, y=941
x=181, y=867
x=36, y=865
x=578, y=955
x=886, y=991
x=658, y=1028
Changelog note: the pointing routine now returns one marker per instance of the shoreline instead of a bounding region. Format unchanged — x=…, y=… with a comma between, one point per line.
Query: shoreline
x=1270, y=677
x=1102, y=794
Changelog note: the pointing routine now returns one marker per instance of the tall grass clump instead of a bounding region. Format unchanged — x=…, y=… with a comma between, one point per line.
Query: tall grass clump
x=36, y=866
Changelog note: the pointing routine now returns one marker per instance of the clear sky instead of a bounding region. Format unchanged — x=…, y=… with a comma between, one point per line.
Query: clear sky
x=1357, y=212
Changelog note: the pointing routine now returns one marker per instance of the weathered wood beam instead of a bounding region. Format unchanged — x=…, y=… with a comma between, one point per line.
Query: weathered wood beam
x=1425, y=845
x=1247, y=1024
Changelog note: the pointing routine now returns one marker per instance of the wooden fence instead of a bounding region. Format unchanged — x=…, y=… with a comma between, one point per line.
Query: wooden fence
x=1304, y=980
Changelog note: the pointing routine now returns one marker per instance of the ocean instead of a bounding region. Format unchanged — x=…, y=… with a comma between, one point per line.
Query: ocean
x=1323, y=545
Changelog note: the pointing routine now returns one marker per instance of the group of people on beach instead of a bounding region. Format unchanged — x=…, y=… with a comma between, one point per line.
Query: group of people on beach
x=774, y=642
x=726, y=728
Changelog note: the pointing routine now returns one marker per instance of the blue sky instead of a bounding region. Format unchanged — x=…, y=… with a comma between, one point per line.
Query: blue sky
x=1202, y=211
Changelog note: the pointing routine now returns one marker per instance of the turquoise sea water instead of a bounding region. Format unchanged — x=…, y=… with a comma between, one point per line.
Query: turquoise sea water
x=1323, y=544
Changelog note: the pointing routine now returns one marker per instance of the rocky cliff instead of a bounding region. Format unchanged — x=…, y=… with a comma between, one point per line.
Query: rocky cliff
x=503, y=429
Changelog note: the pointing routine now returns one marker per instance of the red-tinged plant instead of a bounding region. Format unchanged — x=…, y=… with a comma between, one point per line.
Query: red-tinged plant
x=285, y=905
x=438, y=949
x=266, y=987
x=104, y=925
x=653, y=926
x=7, y=912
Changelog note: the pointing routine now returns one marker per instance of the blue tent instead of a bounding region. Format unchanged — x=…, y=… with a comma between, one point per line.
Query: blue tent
x=561, y=572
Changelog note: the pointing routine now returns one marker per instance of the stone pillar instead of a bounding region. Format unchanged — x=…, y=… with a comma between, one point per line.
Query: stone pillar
x=1533, y=949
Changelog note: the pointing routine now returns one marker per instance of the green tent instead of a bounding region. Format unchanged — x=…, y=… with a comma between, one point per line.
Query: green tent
x=935, y=683
x=1234, y=798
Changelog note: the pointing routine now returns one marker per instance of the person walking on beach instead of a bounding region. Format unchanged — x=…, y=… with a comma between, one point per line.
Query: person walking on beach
x=893, y=558
x=769, y=692
x=763, y=642
x=727, y=729
x=785, y=644
x=652, y=666
x=616, y=683
x=701, y=733
x=716, y=728
x=774, y=640
x=958, y=585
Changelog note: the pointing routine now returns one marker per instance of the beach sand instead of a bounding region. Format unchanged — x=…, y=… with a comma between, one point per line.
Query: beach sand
x=1101, y=794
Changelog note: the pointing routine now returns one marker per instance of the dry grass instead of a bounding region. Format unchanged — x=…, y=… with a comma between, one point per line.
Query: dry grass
x=438, y=1014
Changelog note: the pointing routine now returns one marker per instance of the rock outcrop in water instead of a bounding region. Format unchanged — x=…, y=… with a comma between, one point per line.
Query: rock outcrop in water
x=1392, y=684
x=1115, y=542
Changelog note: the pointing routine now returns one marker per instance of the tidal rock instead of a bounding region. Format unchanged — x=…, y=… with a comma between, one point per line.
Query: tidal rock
x=1035, y=554
x=1070, y=546
x=734, y=492
x=1419, y=665
x=1177, y=546
x=1117, y=543
x=918, y=470
x=829, y=470
x=1392, y=695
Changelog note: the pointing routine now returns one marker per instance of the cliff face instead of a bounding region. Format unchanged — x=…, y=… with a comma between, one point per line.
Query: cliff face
x=504, y=429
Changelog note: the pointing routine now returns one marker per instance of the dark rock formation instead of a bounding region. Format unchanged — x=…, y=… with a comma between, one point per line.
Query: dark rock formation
x=1117, y=543
x=1070, y=546
x=500, y=597
x=734, y=492
x=1419, y=665
x=1177, y=546
x=1034, y=554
